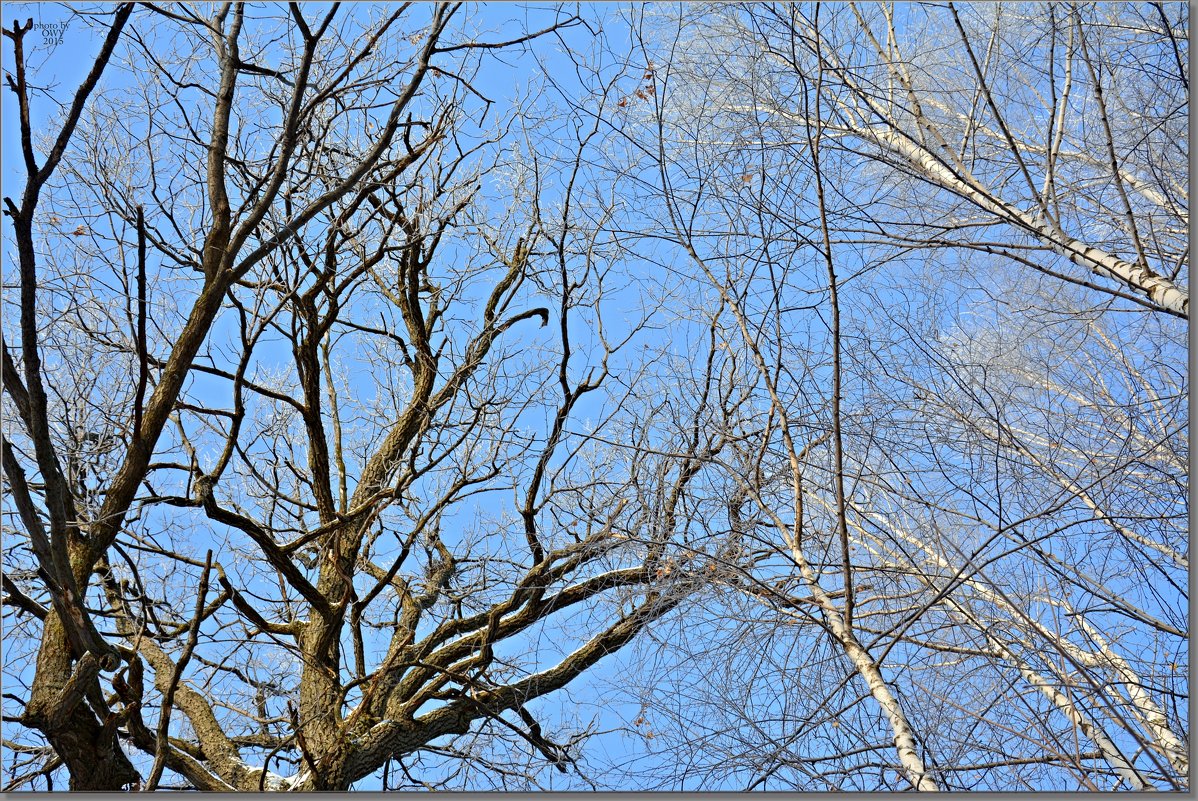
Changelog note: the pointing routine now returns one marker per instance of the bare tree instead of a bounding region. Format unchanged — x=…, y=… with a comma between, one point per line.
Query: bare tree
x=294, y=507
x=1038, y=119
x=899, y=553
x=820, y=367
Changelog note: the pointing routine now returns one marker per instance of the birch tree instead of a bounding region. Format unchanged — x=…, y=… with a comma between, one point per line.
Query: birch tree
x=1062, y=131
x=817, y=171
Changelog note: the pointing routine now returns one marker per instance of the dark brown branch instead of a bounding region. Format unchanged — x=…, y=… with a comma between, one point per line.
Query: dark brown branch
x=143, y=373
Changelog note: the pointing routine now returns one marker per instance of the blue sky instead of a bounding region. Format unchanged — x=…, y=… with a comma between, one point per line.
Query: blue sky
x=607, y=695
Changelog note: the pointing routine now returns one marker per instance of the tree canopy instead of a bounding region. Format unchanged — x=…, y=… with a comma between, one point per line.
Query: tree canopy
x=449, y=396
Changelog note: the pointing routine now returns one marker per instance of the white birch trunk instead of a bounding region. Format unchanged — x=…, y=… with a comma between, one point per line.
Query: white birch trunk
x=1160, y=290
x=1146, y=710
x=1085, y=725
x=900, y=726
